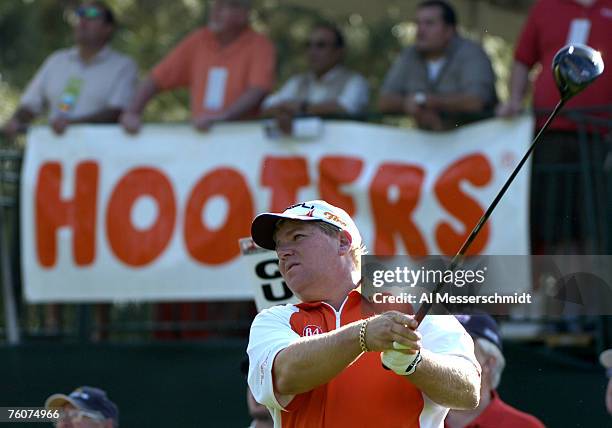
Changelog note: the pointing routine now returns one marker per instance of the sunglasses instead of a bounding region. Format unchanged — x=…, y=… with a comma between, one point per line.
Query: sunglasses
x=89, y=12
x=319, y=44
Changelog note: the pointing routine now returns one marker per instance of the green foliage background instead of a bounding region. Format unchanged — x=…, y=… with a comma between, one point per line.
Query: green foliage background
x=32, y=29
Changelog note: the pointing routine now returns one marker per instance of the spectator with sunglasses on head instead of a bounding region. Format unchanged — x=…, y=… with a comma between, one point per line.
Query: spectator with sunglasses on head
x=88, y=83
x=85, y=407
x=327, y=88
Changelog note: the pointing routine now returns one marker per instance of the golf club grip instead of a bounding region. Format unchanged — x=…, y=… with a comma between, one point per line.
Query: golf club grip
x=425, y=307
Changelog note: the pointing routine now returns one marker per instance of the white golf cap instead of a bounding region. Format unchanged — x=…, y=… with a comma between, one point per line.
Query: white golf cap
x=262, y=229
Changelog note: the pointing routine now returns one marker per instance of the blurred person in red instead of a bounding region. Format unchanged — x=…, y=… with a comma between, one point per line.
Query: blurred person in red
x=587, y=22
x=491, y=411
x=228, y=68
x=575, y=21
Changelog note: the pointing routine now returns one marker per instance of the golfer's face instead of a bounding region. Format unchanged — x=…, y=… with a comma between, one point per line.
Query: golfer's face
x=305, y=254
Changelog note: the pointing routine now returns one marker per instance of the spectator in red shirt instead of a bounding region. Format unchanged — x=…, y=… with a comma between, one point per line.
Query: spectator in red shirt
x=228, y=67
x=576, y=21
x=491, y=411
x=573, y=227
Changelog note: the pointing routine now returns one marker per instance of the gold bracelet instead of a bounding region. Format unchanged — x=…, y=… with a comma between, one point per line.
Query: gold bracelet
x=362, y=335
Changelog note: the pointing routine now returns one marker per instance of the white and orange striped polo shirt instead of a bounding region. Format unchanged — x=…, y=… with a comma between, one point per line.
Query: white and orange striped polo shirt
x=363, y=394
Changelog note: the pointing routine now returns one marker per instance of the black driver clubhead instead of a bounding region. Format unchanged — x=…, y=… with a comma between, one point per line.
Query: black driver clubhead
x=575, y=67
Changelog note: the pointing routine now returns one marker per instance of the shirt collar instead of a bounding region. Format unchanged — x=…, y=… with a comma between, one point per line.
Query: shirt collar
x=353, y=295
x=100, y=56
x=329, y=75
x=453, y=45
x=490, y=415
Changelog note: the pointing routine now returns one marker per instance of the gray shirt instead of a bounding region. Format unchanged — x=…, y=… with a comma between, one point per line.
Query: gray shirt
x=466, y=70
x=66, y=85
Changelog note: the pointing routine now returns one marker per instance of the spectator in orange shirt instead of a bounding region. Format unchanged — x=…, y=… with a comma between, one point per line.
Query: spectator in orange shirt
x=228, y=68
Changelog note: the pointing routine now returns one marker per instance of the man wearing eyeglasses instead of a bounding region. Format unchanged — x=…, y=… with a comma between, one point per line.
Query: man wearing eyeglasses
x=328, y=88
x=228, y=68
x=85, y=407
x=88, y=83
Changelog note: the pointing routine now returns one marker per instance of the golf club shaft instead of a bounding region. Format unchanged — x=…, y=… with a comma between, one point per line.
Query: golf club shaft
x=456, y=260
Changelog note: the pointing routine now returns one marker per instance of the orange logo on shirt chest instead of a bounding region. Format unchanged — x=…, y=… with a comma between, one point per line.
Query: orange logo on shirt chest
x=311, y=330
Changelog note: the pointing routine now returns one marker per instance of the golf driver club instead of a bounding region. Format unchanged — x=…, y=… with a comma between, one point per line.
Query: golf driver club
x=574, y=67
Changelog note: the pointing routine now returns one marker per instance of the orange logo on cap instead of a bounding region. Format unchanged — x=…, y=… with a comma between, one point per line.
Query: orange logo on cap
x=334, y=217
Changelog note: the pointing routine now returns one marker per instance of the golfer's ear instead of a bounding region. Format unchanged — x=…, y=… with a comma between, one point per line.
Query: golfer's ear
x=345, y=242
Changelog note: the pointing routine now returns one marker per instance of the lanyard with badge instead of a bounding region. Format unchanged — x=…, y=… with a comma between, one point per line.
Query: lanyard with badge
x=70, y=95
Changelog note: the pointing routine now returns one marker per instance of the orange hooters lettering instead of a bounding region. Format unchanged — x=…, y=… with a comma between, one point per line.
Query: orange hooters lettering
x=211, y=245
x=78, y=213
x=477, y=170
x=394, y=194
x=131, y=245
x=285, y=176
x=335, y=171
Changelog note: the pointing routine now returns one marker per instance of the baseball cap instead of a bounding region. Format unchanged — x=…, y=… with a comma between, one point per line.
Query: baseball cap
x=87, y=398
x=483, y=326
x=262, y=229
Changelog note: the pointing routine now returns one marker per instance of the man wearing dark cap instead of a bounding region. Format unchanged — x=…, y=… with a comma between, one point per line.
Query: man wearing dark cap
x=492, y=411
x=319, y=363
x=85, y=407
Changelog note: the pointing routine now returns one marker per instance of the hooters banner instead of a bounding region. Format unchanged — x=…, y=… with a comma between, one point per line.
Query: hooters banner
x=111, y=217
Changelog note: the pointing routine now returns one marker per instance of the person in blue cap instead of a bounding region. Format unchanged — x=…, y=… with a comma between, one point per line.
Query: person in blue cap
x=85, y=407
